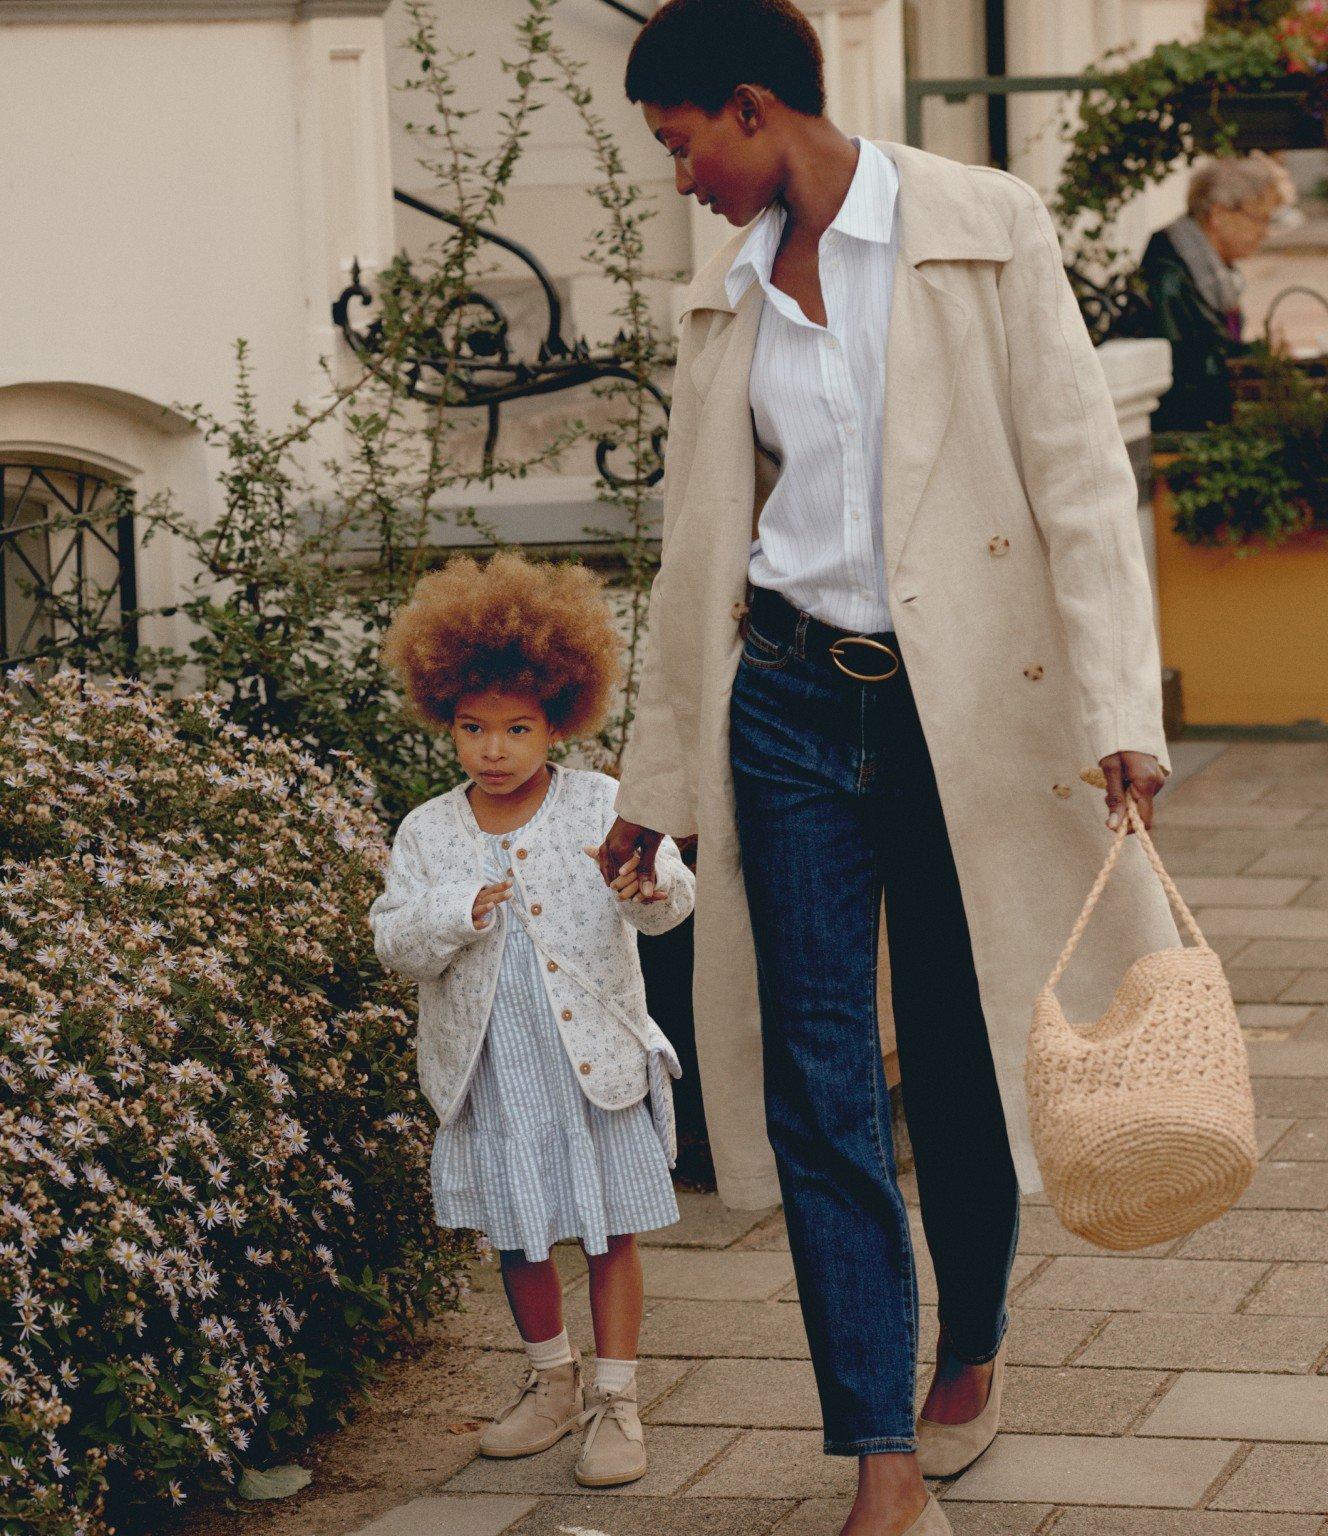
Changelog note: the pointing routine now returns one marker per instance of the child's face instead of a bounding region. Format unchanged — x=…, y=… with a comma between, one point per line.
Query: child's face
x=501, y=739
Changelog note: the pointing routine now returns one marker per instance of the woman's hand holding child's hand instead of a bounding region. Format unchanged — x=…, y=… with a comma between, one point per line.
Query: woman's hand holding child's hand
x=487, y=899
x=627, y=883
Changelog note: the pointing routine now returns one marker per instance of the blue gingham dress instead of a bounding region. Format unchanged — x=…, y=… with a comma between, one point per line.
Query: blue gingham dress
x=528, y=1160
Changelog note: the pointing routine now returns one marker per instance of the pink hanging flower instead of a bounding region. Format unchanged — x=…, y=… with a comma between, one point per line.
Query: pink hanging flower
x=1303, y=36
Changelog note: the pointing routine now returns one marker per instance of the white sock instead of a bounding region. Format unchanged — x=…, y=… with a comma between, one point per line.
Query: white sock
x=614, y=1375
x=549, y=1353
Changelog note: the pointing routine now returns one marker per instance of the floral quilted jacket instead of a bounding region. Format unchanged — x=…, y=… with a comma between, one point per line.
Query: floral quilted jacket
x=423, y=928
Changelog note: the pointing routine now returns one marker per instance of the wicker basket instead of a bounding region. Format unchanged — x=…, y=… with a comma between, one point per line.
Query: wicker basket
x=1143, y=1121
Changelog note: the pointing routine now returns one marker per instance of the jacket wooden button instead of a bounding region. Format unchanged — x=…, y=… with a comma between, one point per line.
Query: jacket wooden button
x=553, y=966
x=521, y=853
x=567, y=1013
x=1060, y=789
x=535, y=909
x=585, y=1069
x=998, y=544
x=1033, y=672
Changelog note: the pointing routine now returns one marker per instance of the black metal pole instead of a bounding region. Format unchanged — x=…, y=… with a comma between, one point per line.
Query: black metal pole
x=998, y=122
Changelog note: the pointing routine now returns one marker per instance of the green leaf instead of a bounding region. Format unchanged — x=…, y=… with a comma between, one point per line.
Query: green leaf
x=274, y=1483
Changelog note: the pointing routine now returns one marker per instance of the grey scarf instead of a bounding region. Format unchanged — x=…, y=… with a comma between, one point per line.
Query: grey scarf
x=1219, y=283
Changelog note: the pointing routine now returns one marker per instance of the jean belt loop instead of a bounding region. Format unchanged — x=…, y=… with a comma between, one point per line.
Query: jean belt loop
x=800, y=635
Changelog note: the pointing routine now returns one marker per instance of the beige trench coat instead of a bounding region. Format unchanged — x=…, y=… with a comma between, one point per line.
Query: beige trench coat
x=1021, y=602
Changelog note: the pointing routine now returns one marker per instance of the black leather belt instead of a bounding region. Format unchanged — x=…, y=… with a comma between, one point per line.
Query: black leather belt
x=864, y=658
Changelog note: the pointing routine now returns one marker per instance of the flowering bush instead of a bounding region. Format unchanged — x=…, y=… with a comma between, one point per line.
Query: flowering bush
x=1304, y=32
x=214, y=1213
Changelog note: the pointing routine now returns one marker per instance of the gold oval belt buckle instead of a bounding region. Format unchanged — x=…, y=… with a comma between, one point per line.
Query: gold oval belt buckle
x=876, y=645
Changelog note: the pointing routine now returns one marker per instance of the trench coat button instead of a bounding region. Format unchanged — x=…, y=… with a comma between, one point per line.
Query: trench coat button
x=535, y=909
x=567, y=1013
x=998, y=544
x=521, y=853
x=553, y=965
x=1034, y=671
x=1060, y=789
x=585, y=1069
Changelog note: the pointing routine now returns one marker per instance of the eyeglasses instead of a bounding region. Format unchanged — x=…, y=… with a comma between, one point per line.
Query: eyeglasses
x=1263, y=218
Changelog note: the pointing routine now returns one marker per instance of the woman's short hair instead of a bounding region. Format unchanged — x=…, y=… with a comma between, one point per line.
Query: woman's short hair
x=519, y=626
x=1233, y=181
x=700, y=51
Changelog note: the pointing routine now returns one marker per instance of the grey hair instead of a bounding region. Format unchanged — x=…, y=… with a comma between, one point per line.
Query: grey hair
x=1232, y=182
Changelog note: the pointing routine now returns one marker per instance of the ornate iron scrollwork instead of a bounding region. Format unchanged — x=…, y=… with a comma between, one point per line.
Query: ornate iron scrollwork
x=67, y=576
x=463, y=358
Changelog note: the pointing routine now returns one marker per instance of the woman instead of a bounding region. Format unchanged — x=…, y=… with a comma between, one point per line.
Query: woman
x=1188, y=286
x=902, y=601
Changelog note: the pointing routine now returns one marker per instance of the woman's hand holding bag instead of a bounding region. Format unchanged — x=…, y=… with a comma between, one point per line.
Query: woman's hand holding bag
x=1143, y=1120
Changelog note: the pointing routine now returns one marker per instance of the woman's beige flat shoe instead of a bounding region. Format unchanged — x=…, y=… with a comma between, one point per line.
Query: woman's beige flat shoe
x=933, y=1521
x=945, y=1449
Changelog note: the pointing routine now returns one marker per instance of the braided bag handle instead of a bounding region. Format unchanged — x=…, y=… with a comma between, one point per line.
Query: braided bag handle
x=1131, y=818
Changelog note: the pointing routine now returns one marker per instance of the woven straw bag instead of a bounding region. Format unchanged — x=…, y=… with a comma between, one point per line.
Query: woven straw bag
x=1142, y=1122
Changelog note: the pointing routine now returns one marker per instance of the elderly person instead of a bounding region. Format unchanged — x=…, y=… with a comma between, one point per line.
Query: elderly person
x=1191, y=286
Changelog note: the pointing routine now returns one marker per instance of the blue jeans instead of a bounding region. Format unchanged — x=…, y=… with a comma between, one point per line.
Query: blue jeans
x=837, y=805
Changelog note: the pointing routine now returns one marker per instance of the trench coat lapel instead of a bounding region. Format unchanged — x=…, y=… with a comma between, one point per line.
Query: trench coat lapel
x=939, y=221
x=922, y=357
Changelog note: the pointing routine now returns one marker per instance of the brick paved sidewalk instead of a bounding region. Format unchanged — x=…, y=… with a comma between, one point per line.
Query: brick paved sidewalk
x=1182, y=1391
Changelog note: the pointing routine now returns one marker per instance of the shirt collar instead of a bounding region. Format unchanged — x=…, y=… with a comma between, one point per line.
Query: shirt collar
x=867, y=213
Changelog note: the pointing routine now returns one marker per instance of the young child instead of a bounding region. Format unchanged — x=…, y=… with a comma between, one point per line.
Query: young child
x=549, y=1077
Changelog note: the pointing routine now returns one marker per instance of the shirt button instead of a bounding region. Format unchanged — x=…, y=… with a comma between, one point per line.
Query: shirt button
x=553, y=966
x=850, y=429
x=535, y=909
x=585, y=1069
x=509, y=869
x=507, y=843
x=855, y=515
x=521, y=853
x=567, y=1012
x=831, y=342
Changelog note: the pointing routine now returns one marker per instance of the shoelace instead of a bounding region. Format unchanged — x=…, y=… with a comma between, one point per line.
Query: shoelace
x=534, y=1382
x=616, y=1404
x=530, y=1384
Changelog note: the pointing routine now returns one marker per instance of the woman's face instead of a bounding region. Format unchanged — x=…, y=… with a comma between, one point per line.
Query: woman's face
x=1239, y=232
x=502, y=739
x=722, y=161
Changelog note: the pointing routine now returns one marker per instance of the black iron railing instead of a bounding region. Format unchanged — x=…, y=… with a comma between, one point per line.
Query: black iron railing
x=463, y=358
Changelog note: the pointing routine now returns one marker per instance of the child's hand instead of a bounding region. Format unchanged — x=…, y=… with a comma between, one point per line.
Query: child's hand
x=487, y=899
x=627, y=883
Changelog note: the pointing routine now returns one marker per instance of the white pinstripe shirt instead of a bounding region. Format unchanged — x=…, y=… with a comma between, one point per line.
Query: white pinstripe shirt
x=818, y=399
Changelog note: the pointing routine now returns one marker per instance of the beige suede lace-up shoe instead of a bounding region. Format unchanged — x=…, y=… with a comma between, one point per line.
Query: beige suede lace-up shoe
x=946, y=1449
x=548, y=1406
x=614, y=1449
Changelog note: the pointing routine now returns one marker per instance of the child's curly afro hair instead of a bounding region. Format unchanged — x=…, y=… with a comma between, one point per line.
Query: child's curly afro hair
x=543, y=630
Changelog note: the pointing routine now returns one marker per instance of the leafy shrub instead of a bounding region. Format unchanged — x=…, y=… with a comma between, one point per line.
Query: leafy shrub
x=1262, y=478
x=1232, y=489
x=214, y=1212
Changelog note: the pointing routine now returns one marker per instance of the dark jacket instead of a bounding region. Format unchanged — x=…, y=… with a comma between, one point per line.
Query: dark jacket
x=1172, y=306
